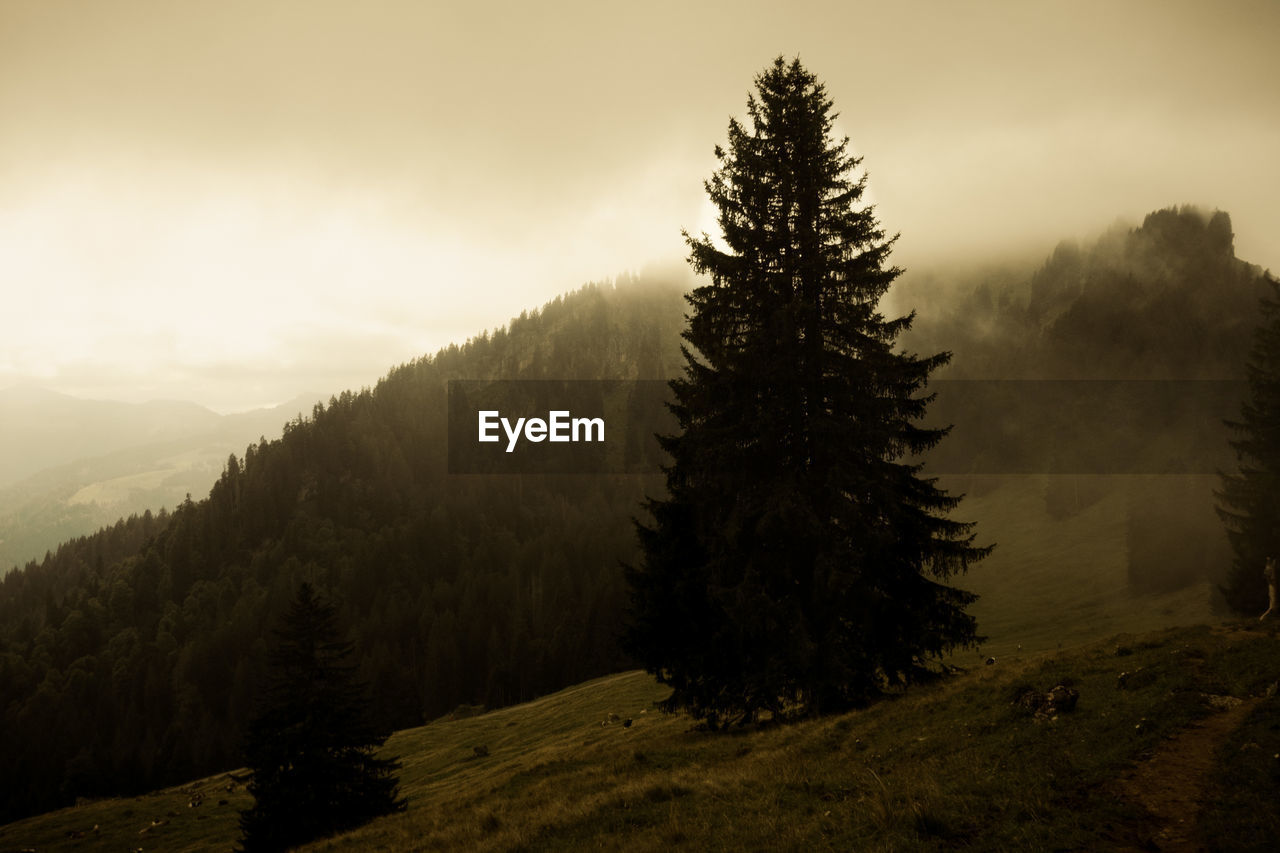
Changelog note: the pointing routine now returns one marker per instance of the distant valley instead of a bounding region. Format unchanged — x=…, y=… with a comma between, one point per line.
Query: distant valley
x=69, y=466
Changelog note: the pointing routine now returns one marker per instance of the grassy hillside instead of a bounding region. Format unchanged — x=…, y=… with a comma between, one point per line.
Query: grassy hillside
x=950, y=764
x=1059, y=581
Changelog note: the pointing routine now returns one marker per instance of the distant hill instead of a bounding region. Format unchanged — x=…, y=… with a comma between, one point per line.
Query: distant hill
x=129, y=659
x=104, y=461
x=41, y=429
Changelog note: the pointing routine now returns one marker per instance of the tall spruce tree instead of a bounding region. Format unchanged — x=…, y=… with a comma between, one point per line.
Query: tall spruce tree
x=796, y=564
x=1249, y=501
x=310, y=747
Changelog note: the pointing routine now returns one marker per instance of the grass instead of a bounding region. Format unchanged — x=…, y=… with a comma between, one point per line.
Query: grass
x=1240, y=810
x=952, y=764
x=1058, y=583
x=161, y=820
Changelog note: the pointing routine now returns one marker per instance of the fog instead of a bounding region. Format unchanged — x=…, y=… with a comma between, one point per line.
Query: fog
x=236, y=203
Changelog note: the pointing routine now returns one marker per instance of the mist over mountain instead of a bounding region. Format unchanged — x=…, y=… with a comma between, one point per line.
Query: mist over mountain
x=1166, y=311
x=129, y=658
x=1164, y=300
x=40, y=428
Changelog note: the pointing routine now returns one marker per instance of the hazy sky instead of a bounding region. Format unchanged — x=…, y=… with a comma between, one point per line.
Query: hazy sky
x=235, y=202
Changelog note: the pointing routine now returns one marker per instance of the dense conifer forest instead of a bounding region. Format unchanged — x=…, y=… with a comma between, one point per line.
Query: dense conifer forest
x=131, y=658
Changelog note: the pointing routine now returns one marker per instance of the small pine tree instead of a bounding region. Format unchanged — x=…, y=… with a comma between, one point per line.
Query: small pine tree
x=310, y=748
x=1249, y=501
x=795, y=563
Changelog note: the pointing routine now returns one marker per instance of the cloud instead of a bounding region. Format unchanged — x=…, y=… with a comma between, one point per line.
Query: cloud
x=184, y=187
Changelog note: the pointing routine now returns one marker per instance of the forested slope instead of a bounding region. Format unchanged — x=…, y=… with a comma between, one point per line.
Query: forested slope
x=130, y=658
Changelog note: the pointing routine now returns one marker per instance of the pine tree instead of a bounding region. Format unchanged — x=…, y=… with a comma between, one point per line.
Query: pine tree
x=310, y=748
x=1249, y=501
x=796, y=562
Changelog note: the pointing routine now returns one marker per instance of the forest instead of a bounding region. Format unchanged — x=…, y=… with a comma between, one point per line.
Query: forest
x=130, y=658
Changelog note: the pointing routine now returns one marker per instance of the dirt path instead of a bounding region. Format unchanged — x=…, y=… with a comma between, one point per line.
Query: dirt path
x=1171, y=783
